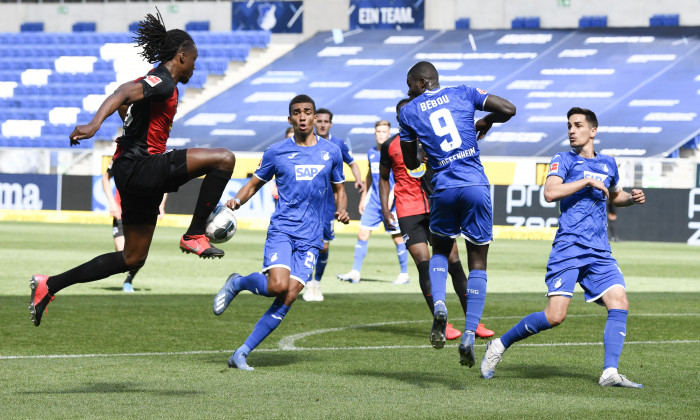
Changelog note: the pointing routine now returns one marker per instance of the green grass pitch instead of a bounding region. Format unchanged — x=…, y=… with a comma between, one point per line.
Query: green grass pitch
x=362, y=353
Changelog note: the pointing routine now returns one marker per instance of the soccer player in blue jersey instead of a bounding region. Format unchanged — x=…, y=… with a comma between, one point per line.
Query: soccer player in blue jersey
x=443, y=120
x=371, y=211
x=324, y=122
x=305, y=166
x=582, y=181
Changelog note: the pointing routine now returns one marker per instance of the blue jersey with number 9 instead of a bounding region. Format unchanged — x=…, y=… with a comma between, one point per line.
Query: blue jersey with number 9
x=443, y=120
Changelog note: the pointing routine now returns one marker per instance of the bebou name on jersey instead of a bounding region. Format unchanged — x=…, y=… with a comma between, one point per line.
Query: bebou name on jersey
x=307, y=172
x=433, y=103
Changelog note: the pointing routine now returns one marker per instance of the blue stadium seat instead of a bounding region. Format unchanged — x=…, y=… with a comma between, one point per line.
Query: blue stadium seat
x=664, y=20
x=194, y=26
x=462, y=23
x=593, y=22
x=32, y=27
x=525, y=23
x=84, y=27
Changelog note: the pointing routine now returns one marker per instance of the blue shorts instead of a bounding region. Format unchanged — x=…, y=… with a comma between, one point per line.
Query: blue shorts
x=283, y=251
x=464, y=211
x=372, y=217
x=596, y=271
x=329, y=227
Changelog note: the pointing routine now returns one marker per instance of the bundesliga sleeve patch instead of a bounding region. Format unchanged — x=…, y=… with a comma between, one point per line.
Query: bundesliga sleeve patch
x=554, y=168
x=152, y=80
x=481, y=91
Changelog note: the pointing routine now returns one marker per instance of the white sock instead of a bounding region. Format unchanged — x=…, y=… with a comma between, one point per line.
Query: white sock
x=609, y=372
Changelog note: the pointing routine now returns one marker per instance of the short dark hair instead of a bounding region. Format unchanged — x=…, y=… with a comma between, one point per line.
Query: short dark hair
x=301, y=99
x=424, y=70
x=325, y=111
x=590, y=115
x=401, y=103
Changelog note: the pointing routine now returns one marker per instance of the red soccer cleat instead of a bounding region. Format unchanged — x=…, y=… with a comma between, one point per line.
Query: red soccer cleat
x=40, y=297
x=451, y=333
x=482, y=332
x=199, y=244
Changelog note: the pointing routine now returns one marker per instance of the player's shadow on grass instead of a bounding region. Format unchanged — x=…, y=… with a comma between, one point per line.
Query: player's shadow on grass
x=116, y=388
x=418, y=379
x=260, y=359
x=537, y=371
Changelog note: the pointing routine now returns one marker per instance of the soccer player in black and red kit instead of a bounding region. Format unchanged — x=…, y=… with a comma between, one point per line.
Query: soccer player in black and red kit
x=143, y=170
x=412, y=190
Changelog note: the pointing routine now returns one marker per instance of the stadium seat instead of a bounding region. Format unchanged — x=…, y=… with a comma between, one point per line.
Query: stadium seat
x=462, y=23
x=593, y=22
x=84, y=27
x=32, y=27
x=194, y=26
x=664, y=20
x=525, y=23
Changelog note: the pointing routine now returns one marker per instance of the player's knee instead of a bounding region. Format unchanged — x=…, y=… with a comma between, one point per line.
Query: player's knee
x=134, y=261
x=227, y=160
x=555, y=318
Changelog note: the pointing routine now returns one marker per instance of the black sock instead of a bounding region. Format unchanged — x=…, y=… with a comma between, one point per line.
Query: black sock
x=459, y=282
x=209, y=195
x=424, y=281
x=132, y=274
x=96, y=269
x=611, y=226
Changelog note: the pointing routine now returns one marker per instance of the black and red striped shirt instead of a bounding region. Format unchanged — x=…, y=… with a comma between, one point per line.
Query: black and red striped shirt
x=411, y=193
x=148, y=122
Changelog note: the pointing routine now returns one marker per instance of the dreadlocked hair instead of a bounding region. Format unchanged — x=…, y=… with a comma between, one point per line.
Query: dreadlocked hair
x=159, y=44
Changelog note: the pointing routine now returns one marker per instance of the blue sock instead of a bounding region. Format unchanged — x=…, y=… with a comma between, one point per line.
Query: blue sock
x=438, y=276
x=530, y=325
x=254, y=282
x=267, y=323
x=403, y=256
x=614, y=336
x=476, y=298
x=360, y=253
x=321, y=264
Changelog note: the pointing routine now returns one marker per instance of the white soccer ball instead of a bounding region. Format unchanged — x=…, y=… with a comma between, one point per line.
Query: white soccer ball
x=221, y=225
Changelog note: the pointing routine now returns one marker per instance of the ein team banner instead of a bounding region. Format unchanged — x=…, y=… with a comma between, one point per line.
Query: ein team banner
x=387, y=14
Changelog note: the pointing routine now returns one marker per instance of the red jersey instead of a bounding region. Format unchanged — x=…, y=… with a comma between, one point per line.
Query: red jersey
x=411, y=193
x=148, y=122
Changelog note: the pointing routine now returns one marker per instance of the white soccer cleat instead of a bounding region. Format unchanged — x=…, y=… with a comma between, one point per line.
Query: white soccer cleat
x=493, y=355
x=353, y=276
x=313, y=292
x=618, y=380
x=402, y=279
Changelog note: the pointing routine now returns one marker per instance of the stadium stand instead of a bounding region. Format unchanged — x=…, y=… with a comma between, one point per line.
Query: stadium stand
x=642, y=82
x=49, y=82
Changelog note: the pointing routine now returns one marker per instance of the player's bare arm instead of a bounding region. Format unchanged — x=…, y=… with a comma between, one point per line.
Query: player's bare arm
x=126, y=94
x=359, y=184
x=384, y=190
x=245, y=193
x=409, y=149
x=363, y=196
x=501, y=110
x=114, y=209
x=555, y=188
x=623, y=198
x=341, y=203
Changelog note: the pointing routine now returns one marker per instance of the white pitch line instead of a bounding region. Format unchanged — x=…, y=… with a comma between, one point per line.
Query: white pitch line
x=198, y=352
x=287, y=343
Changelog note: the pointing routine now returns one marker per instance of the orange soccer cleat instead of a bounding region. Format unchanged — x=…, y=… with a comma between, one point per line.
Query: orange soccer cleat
x=482, y=332
x=451, y=333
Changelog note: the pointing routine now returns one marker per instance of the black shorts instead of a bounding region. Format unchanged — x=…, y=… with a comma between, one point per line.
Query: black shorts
x=117, y=229
x=415, y=229
x=142, y=182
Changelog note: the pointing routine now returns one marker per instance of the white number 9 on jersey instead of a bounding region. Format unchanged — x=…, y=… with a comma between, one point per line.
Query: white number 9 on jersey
x=444, y=125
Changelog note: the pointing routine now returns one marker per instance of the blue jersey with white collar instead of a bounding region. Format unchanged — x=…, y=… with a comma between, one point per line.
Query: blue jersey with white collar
x=348, y=159
x=583, y=218
x=443, y=120
x=304, y=176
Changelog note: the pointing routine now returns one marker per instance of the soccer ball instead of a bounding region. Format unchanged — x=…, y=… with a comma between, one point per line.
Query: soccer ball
x=221, y=225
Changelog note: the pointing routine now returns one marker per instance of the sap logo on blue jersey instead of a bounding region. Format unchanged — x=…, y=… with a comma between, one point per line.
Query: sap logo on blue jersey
x=307, y=172
x=374, y=167
x=595, y=175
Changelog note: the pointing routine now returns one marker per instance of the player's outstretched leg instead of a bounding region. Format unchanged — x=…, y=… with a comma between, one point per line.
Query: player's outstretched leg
x=225, y=295
x=617, y=380
x=437, y=332
x=238, y=360
x=199, y=244
x=493, y=355
x=40, y=297
x=466, y=349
